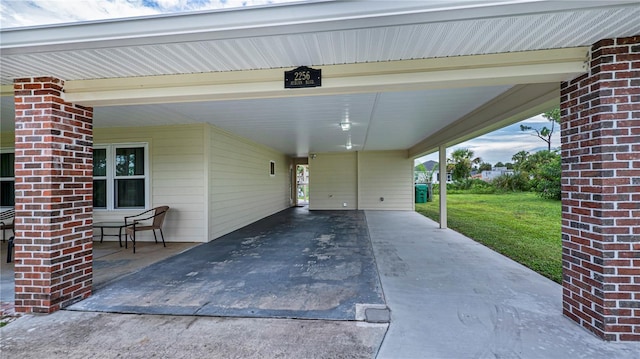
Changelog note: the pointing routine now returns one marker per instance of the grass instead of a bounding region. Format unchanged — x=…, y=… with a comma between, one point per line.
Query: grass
x=521, y=226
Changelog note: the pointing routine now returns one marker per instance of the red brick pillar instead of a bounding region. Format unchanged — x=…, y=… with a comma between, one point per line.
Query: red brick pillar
x=54, y=208
x=601, y=192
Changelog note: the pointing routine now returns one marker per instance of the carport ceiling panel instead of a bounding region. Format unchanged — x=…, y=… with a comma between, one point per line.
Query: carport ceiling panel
x=402, y=119
x=293, y=126
x=416, y=41
x=140, y=115
x=371, y=44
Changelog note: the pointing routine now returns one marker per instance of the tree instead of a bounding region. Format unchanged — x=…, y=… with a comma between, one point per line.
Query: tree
x=420, y=174
x=545, y=133
x=461, y=161
x=547, y=178
x=543, y=169
x=499, y=164
x=520, y=161
x=485, y=166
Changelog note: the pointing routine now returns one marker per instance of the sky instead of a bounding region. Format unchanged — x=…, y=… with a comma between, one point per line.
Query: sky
x=498, y=146
x=501, y=145
x=17, y=13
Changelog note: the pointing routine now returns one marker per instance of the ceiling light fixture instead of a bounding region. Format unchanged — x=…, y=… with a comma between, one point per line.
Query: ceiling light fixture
x=345, y=125
x=349, y=145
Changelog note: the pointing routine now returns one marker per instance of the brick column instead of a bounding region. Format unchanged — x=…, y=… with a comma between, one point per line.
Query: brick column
x=601, y=192
x=54, y=208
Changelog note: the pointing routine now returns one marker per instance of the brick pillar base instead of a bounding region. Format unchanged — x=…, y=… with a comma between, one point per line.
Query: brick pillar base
x=54, y=209
x=601, y=192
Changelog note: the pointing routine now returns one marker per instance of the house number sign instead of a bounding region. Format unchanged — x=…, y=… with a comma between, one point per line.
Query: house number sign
x=302, y=77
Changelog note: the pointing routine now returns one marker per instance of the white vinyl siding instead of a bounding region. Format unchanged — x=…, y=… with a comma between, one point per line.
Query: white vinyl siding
x=7, y=139
x=241, y=188
x=178, y=176
x=386, y=174
x=360, y=179
x=333, y=181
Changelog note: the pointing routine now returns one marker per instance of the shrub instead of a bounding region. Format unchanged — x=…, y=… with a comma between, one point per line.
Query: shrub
x=517, y=182
x=482, y=187
x=471, y=185
x=547, y=182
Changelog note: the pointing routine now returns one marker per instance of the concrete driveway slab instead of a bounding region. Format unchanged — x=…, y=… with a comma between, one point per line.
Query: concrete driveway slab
x=71, y=335
x=294, y=264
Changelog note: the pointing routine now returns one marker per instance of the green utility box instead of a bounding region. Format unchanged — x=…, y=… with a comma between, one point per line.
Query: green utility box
x=422, y=193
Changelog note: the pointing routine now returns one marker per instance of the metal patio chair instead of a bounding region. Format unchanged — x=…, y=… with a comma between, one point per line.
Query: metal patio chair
x=6, y=221
x=10, y=247
x=146, y=221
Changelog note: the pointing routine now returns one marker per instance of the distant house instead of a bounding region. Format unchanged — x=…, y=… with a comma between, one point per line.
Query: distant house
x=429, y=177
x=495, y=172
x=425, y=177
x=435, y=178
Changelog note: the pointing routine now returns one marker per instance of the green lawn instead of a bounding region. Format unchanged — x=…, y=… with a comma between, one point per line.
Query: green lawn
x=522, y=226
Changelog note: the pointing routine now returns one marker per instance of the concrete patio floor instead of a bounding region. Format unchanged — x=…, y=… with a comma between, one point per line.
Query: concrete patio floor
x=110, y=261
x=449, y=298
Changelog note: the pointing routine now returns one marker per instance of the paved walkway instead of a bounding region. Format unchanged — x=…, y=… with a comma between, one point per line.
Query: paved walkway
x=451, y=297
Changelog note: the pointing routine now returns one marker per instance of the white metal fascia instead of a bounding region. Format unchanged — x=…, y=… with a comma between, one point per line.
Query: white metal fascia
x=464, y=71
x=315, y=16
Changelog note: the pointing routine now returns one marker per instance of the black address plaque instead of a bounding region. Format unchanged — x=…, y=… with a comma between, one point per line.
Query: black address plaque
x=302, y=77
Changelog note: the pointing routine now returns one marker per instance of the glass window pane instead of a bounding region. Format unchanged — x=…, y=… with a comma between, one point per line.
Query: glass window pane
x=6, y=164
x=99, y=161
x=100, y=193
x=129, y=193
x=7, y=194
x=130, y=161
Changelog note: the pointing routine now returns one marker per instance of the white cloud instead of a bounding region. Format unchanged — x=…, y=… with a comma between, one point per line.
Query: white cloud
x=17, y=13
x=31, y=13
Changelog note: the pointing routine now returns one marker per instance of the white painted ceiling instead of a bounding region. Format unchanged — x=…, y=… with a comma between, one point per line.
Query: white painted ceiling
x=280, y=37
x=301, y=125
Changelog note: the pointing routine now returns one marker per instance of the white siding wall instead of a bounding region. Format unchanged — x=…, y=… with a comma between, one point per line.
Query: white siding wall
x=178, y=178
x=387, y=174
x=7, y=139
x=333, y=181
x=359, y=179
x=241, y=190
x=216, y=182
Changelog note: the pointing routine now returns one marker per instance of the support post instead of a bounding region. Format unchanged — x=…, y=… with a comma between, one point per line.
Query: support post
x=54, y=191
x=443, y=186
x=601, y=192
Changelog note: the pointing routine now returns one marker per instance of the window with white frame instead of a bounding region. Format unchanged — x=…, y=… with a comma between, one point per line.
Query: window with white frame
x=120, y=176
x=7, y=179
